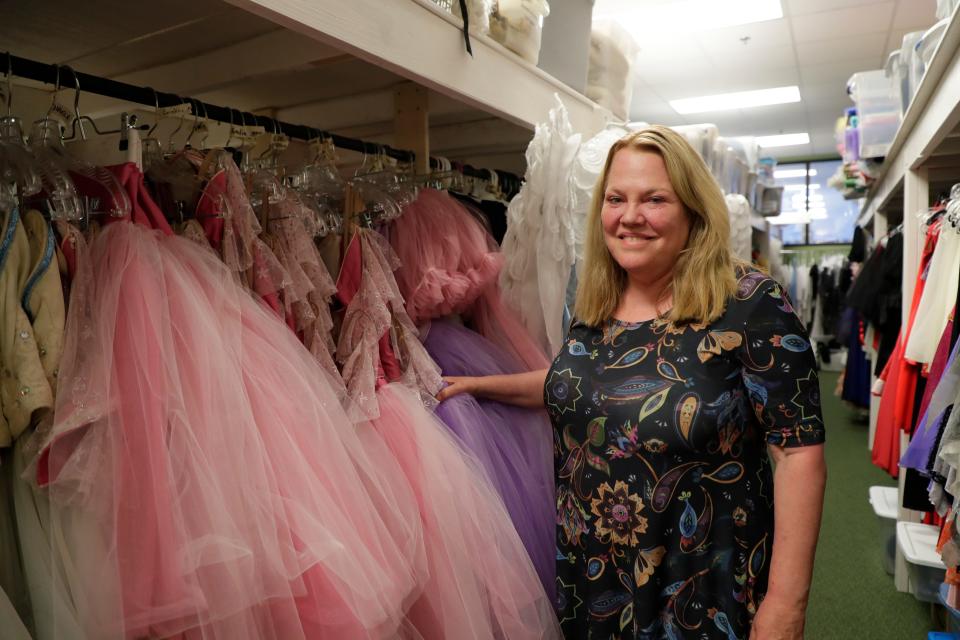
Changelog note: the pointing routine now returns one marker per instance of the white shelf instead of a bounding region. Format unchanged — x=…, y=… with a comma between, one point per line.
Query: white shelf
x=417, y=40
x=928, y=123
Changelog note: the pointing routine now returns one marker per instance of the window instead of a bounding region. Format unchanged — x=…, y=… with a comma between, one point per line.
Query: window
x=832, y=219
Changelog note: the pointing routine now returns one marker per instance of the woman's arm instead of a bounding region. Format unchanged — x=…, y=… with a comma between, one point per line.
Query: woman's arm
x=520, y=389
x=798, y=483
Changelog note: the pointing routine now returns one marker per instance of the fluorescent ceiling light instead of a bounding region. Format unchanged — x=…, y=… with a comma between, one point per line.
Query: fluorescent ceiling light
x=790, y=217
x=737, y=100
x=783, y=140
x=785, y=174
x=686, y=16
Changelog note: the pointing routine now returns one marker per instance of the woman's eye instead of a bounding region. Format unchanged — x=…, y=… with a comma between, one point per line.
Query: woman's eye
x=614, y=199
x=657, y=200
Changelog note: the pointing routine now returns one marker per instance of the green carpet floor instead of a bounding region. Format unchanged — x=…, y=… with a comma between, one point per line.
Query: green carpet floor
x=852, y=597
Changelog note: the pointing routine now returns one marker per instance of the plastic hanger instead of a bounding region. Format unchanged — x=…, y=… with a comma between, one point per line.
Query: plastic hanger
x=18, y=172
x=46, y=143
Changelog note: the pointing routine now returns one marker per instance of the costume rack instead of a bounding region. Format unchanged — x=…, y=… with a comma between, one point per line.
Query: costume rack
x=63, y=76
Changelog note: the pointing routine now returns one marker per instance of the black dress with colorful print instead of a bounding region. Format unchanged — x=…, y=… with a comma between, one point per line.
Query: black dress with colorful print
x=665, y=488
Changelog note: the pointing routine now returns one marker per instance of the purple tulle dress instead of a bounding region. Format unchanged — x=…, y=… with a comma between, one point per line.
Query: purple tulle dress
x=944, y=380
x=514, y=445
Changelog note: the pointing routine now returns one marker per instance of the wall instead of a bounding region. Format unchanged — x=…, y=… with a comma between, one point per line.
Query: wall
x=565, y=48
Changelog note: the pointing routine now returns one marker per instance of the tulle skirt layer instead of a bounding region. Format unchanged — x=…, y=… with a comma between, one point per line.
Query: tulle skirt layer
x=481, y=582
x=513, y=445
x=202, y=470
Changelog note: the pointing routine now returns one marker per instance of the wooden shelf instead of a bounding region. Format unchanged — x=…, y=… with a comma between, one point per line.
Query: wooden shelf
x=417, y=40
x=332, y=64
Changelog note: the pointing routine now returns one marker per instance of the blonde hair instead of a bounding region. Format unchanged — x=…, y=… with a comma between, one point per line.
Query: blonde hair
x=704, y=275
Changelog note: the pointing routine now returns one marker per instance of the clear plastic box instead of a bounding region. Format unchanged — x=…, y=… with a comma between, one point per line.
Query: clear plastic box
x=929, y=42
x=899, y=74
x=610, y=72
x=926, y=570
x=518, y=25
x=884, y=502
x=878, y=108
x=910, y=60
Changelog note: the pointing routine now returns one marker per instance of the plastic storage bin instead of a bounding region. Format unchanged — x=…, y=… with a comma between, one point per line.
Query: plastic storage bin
x=918, y=542
x=923, y=48
x=610, y=73
x=930, y=41
x=478, y=12
x=945, y=8
x=899, y=74
x=953, y=615
x=884, y=503
x=908, y=54
x=518, y=25
x=878, y=111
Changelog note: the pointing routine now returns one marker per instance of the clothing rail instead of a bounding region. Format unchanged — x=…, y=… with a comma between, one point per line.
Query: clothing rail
x=147, y=96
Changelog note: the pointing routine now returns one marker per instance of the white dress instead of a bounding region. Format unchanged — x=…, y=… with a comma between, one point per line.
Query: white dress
x=539, y=245
x=741, y=234
x=938, y=297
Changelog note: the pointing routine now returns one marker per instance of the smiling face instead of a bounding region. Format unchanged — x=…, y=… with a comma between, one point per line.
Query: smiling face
x=645, y=225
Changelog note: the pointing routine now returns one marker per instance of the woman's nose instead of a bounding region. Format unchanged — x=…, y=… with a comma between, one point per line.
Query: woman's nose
x=633, y=214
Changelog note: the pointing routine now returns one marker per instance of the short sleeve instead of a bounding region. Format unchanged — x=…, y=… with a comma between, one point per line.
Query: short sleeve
x=778, y=365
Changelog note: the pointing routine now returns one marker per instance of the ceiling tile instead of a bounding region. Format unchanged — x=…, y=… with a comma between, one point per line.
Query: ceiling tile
x=755, y=58
x=763, y=121
x=918, y=14
x=824, y=95
x=804, y=7
x=772, y=33
x=825, y=118
x=842, y=22
x=838, y=71
x=733, y=79
x=870, y=45
x=669, y=62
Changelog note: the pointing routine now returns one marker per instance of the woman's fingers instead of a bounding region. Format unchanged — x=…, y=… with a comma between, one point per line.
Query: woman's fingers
x=454, y=385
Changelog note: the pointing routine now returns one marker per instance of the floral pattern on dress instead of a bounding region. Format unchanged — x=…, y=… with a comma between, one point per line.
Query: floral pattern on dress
x=665, y=501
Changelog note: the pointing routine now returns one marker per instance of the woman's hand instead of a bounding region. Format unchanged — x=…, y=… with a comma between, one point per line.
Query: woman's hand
x=519, y=389
x=778, y=620
x=455, y=386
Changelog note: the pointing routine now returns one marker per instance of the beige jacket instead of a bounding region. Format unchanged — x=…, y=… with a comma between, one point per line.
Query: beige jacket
x=31, y=321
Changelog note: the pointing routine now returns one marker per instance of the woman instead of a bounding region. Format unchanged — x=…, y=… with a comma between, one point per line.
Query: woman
x=685, y=375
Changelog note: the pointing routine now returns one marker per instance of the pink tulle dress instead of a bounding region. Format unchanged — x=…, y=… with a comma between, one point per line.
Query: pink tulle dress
x=480, y=581
x=450, y=266
x=204, y=480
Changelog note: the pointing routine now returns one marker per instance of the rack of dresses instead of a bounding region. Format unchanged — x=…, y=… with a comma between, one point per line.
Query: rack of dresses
x=932, y=452
x=218, y=412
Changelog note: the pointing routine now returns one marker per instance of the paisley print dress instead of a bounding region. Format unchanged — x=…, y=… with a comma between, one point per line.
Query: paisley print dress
x=665, y=489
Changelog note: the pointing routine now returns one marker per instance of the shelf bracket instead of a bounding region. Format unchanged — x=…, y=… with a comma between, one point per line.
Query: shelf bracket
x=411, y=123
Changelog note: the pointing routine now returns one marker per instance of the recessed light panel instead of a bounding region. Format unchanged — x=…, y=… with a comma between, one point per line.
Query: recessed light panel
x=737, y=100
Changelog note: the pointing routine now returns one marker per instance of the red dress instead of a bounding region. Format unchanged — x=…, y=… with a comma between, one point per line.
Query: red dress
x=900, y=376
